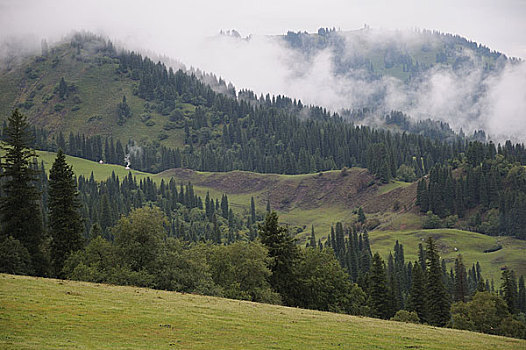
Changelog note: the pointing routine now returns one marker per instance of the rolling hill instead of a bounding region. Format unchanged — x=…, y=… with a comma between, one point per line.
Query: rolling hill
x=94, y=90
x=49, y=314
x=322, y=200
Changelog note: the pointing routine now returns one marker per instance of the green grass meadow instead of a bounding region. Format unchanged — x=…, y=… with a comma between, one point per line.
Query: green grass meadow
x=38, y=313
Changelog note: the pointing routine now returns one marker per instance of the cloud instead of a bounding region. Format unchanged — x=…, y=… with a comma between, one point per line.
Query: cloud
x=466, y=96
x=505, y=110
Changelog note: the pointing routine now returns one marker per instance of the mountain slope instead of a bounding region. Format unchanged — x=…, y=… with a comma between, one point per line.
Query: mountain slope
x=93, y=93
x=50, y=314
x=86, y=88
x=399, y=54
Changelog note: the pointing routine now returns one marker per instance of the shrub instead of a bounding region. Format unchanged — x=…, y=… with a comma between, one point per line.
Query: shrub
x=406, y=316
x=406, y=173
x=14, y=257
x=432, y=221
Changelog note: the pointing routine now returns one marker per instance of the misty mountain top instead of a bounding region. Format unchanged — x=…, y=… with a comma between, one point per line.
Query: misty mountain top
x=401, y=54
x=426, y=74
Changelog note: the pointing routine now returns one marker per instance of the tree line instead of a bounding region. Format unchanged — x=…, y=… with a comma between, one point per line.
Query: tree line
x=489, y=180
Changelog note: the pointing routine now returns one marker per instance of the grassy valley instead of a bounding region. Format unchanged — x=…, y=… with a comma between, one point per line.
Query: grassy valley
x=322, y=200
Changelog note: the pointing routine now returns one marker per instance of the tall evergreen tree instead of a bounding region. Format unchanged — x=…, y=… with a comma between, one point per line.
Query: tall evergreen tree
x=284, y=253
x=422, y=257
x=417, y=297
x=361, y=215
x=522, y=295
x=252, y=210
x=65, y=223
x=437, y=297
x=461, y=289
x=380, y=300
x=19, y=206
x=509, y=290
x=105, y=216
x=312, y=242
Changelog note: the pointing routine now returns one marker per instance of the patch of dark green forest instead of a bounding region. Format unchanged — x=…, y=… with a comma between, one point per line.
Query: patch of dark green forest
x=490, y=186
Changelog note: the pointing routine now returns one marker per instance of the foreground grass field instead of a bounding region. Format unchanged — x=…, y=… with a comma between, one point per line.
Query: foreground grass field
x=38, y=313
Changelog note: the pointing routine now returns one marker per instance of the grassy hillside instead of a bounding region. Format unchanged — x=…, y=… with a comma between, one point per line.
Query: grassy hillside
x=322, y=200
x=470, y=244
x=86, y=167
x=90, y=106
x=38, y=313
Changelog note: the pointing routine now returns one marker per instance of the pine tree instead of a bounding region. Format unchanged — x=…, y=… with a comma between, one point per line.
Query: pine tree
x=417, y=298
x=437, y=296
x=522, y=295
x=252, y=210
x=461, y=283
x=62, y=89
x=65, y=223
x=361, y=215
x=19, y=208
x=216, y=230
x=379, y=300
x=312, y=242
x=421, y=257
x=106, y=216
x=224, y=206
x=283, y=251
x=509, y=290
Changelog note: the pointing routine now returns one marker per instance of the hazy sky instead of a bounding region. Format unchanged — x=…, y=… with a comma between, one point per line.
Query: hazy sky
x=164, y=25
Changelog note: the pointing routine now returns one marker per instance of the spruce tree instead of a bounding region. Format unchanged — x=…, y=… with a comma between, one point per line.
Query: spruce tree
x=461, y=289
x=312, y=242
x=422, y=257
x=284, y=253
x=380, y=300
x=216, y=230
x=417, y=298
x=105, y=216
x=19, y=206
x=65, y=223
x=437, y=296
x=509, y=290
x=522, y=295
x=361, y=215
x=252, y=210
